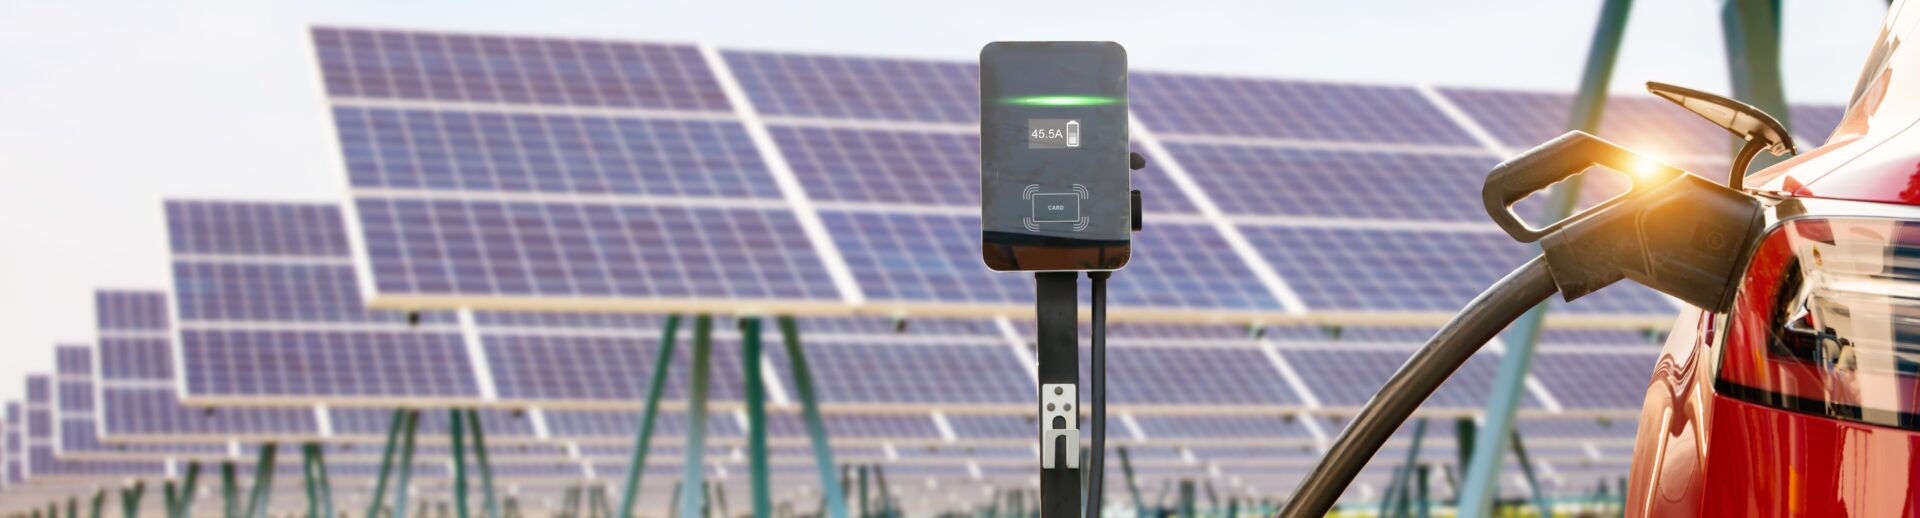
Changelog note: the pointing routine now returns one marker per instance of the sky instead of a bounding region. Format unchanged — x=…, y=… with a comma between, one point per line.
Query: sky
x=107, y=108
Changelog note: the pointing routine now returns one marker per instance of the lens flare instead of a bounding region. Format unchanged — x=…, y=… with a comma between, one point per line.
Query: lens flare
x=1060, y=100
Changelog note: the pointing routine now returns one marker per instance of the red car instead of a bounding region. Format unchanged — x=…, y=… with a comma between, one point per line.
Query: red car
x=1803, y=399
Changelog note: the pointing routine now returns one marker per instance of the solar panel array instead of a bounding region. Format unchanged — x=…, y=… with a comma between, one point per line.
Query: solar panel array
x=494, y=175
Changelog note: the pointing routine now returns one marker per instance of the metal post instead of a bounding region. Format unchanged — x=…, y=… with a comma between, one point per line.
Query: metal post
x=319, y=489
x=1133, y=485
x=169, y=497
x=1751, y=29
x=457, y=432
x=262, y=482
x=190, y=484
x=630, y=494
x=491, y=506
x=756, y=400
x=1396, y=489
x=130, y=499
x=673, y=499
x=816, y=426
x=695, y=467
x=1533, y=483
x=866, y=502
x=1187, y=499
x=100, y=500
x=886, y=497
x=386, y=463
x=1425, y=505
x=230, y=489
x=1509, y=386
x=404, y=484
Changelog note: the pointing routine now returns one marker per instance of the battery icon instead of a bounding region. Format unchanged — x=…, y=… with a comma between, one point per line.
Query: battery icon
x=1073, y=133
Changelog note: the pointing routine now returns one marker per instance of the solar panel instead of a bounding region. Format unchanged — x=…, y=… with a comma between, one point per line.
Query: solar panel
x=654, y=254
x=269, y=312
x=915, y=373
x=1391, y=270
x=486, y=69
x=1179, y=104
x=1334, y=183
x=1587, y=380
x=1264, y=428
x=837, y=87
x=76, y=429
x=564, y=366
x=39, y=443
x=1348, y=375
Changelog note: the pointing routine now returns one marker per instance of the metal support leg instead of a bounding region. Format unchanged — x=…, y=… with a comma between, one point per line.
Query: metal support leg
x=1396, y=496
x=630, y=494
x=816, y=426
x=491, y=504
x=457, y=433
x=1188, y=502
x=182, y=505
x=1751, y=29
x=1133, y=485
x=99, y=501
x=1423, y=504
x=169, y=499
x=886, y=497
x=403, y=489
x=400, y=419
x=673, y=499
x=1533, y=483
x=1482, y=478
x=695, y=467
x=756, y=400
x=130, y=499
x=319, y=489
x=230, y=489
x=262, y=482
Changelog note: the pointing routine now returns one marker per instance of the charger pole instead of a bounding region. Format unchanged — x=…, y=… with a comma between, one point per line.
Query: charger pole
x=1058, y=350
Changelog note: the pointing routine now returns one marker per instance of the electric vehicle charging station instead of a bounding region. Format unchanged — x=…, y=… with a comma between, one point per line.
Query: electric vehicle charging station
x=1056, y=199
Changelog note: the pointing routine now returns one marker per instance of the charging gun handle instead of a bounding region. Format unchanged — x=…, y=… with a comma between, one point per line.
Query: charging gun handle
x=1555, y=161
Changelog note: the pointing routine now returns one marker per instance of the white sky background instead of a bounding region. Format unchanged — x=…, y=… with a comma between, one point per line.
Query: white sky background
x=106, y=108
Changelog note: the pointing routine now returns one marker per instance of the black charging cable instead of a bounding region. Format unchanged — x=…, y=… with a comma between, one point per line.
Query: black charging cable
x=1478, y=323
x=1097, y=397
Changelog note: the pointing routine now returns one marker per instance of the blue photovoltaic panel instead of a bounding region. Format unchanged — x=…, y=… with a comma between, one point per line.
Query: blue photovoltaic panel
x=157, y=411
x=1193, y=427
x=563, y=250
x=913, y=373
x=935, y=258
x=1594, y=380
x=327, y=363
x=1349, y=376
x=502, y=70
x=125, y=310
x=1400, y=270
x=571, y=321
x=876, y=166
x=256, y=229
x=244, y=291
x=602, y=368
x=131, y=358
x=222, y=276
x=591, y=424
x=76, y=360
x=1327, y=183
x=1295, y=110
x=1611, y=337
x=375, y=422
x=839, y=87
x=1185, y=374
x=1639, y=121
x=42, y=463
x=992, y=426
x=918, y=327
x=80, y=438
x=921, y=258
x=858, y=426
x=39, y=389
x=525, y=153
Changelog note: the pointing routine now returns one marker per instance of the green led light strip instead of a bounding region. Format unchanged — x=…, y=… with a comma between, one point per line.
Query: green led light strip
x=1060, y=100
